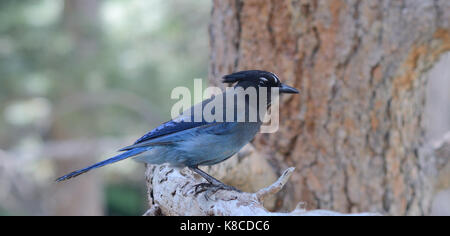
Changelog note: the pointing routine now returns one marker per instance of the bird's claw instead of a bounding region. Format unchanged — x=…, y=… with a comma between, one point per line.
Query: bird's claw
x=213, y=188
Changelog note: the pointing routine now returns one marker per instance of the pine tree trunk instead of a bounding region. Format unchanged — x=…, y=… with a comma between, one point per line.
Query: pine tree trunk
x=356, y=131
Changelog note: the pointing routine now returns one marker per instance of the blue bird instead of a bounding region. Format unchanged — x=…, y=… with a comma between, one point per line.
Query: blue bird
x=189, y=142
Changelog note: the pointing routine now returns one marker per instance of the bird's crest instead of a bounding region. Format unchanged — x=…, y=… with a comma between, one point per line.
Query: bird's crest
x=251, y=76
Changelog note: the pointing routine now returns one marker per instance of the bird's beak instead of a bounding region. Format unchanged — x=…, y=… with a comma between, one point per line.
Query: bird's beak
x=287, y=89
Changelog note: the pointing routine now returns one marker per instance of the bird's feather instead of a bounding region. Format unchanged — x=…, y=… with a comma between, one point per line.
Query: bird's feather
x=185, y=121
x=117, y=158
x=169, y=128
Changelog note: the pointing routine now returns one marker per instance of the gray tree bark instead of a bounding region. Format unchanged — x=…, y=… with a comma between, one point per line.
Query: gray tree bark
x=172, y=193
x=356, y=132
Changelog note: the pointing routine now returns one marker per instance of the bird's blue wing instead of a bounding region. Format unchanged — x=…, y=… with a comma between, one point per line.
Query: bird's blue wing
x=152, y=138
x=169, y=127
x=185, y=121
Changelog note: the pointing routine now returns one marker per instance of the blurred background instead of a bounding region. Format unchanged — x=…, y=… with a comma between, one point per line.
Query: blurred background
x=79, y=80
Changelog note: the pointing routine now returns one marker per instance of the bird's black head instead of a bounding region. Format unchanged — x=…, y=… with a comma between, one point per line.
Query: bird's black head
x=258, y=78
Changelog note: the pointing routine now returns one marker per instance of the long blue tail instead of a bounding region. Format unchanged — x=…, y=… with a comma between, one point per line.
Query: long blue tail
x=117, y=158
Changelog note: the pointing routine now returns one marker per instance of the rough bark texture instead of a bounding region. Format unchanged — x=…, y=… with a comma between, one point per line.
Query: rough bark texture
x=356, y=131
x=171, y=193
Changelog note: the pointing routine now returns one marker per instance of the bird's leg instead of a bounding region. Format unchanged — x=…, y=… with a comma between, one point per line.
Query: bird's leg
x=213, y=184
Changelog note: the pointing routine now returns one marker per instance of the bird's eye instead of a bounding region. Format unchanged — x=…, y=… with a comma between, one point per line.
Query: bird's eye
x=263, y=80
x=276, y=80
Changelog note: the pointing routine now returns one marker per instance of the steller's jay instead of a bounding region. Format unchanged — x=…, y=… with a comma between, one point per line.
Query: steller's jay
x=187, y=141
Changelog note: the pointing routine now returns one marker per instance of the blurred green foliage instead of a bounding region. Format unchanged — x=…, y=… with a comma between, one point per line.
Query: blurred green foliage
x=88, y=69
x=125, y=199
x=4, y=212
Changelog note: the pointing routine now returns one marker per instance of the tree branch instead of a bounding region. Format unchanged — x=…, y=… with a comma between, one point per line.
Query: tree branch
x=171, y=192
